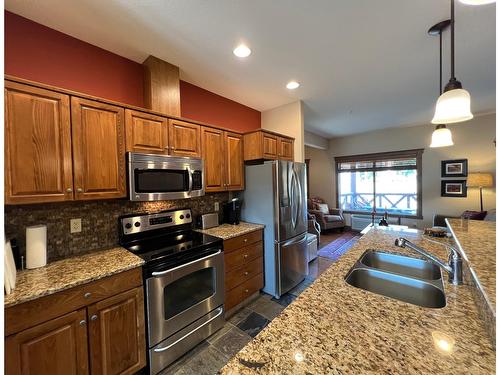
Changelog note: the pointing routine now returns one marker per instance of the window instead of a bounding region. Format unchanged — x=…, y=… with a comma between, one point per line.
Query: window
x=389, y=181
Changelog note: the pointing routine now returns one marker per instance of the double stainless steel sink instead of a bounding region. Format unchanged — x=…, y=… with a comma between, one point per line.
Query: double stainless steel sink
x=404, y=278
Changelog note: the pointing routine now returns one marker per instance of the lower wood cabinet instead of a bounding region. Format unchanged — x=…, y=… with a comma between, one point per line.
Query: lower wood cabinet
x=104, y=335
x=243, y=264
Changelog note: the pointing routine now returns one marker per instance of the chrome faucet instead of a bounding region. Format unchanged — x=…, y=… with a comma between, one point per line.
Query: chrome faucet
x=454, y=266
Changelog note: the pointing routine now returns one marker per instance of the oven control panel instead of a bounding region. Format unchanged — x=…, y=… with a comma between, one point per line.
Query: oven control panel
x=142, y=223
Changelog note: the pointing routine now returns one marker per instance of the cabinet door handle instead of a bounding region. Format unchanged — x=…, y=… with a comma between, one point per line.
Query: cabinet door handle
x=79, y=190
x=246, y=290
x=246, y=273
x=87, y=295
x=83, y=322
x=245, y=256
x=245, y=240
x=93, y=317
x=69, y=190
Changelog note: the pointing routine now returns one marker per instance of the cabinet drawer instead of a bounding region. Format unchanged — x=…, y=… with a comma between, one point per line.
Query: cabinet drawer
x=243, y=291
x=243, y=240
x=241, y=256
x=240, y=275
x=31, y=313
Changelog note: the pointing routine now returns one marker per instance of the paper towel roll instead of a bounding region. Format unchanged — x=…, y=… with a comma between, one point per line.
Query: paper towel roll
x=36, y=246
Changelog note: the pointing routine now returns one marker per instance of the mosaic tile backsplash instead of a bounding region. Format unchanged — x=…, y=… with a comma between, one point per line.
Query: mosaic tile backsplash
x=99, y=221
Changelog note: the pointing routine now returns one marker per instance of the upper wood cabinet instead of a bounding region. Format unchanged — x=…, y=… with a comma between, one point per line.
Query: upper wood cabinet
x=56, y=347
x=116, y=334
x=184, y=138
x=98, y=135
x=223, y=155
x=265, y=145
x=146, y=133
x=235, y=175
x=38, y=166
x=212, y=146
x=285, y=149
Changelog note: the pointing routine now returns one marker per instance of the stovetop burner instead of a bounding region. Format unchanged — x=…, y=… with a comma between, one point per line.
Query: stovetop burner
x=165, y=239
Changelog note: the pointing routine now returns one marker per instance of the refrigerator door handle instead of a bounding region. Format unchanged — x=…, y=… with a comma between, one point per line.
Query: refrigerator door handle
x=293, y=208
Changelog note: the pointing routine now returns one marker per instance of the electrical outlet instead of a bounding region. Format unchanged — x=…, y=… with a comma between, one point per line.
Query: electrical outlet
x=75, y=225
x=216, y=206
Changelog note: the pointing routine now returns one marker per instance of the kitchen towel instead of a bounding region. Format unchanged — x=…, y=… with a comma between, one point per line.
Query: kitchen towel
x=36, y=246
x=9, y=269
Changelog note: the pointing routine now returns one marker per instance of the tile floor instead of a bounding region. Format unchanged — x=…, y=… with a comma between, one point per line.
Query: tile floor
x=213, y=353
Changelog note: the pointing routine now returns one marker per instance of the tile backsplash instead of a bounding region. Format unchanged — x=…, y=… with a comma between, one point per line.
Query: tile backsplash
x=99, y=221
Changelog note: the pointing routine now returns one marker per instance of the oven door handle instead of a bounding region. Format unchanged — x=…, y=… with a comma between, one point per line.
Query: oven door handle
x=190, y=176
x=156, y=274
x=159, y=350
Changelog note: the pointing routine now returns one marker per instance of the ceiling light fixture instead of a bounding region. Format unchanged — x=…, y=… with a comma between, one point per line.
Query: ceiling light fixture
x=441, y=136
x=477, y=2
x=454, y=104
x=292, y=85
x=242, y=51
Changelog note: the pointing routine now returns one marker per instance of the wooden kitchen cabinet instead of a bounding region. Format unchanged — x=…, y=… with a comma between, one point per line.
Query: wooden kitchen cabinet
x=38, y=164
x=184, y=138
x=266, y=145
x=116, y=334
x=222, y=152
x=146, y=133
x=56, y=347
x=235, y=175
x=244, y=268
x=285, y=148
x=95, y=328
x=98, y=136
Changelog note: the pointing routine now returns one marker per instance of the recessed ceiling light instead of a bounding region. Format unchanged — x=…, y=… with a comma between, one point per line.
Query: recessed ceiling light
x=292, y=85
x=477, y=2
x=242, y=51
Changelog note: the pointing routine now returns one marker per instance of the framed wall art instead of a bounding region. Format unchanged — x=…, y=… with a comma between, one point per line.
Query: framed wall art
x=454, y=168
x=454, y=188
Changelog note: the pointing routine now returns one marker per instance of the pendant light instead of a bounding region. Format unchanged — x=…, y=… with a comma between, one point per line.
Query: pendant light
x=441, y=137
x=454, y=104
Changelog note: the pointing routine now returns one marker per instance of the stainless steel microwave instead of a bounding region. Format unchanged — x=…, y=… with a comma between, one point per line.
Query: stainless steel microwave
x=160, y=177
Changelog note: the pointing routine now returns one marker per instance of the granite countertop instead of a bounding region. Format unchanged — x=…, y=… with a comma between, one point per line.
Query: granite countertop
x=334, y=328
x=227, y=231
x=477, y=242
x=70, y=272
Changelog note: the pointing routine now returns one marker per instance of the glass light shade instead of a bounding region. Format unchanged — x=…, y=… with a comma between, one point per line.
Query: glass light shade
x=441, y=137
x=452, y=106
x=477, y=2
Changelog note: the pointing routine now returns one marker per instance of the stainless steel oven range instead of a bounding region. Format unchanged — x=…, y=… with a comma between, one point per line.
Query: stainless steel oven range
x=183, y=281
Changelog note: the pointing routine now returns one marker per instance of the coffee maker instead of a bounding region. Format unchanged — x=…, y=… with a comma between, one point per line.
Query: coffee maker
x=232, y=211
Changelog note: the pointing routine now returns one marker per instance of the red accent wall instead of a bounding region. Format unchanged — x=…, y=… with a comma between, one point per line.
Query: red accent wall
x=202, y=105
x=42, y=54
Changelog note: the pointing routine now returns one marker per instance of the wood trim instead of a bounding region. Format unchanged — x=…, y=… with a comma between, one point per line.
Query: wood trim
x=380, y=156
x=31, y=313
x=111, y=102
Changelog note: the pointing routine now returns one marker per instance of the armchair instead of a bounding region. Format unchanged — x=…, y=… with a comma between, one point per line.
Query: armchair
x=327, y=219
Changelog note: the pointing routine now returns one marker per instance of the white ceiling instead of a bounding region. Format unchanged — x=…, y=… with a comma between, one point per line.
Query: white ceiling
x=363, y=64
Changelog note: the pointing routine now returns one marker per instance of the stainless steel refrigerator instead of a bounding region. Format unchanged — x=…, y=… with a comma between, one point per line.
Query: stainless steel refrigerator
x=275, y=195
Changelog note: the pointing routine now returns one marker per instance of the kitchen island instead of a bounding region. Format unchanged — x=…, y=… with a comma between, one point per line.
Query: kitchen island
x=335, y=328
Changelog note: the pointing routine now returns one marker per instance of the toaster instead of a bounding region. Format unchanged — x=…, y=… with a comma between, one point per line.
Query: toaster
x=208, y=220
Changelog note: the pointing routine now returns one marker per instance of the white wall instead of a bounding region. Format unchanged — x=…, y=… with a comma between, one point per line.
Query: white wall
x=321, y=174
x=473, y=141
x=313, y=140
x=287, y=119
